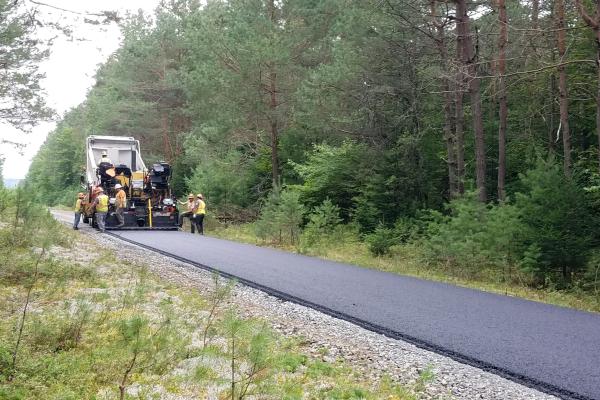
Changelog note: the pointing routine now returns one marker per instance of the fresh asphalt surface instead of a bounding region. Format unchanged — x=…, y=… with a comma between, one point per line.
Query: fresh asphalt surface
x=552, y=348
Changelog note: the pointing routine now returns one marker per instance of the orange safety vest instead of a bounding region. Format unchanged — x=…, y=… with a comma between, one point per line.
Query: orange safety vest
x=121, y=199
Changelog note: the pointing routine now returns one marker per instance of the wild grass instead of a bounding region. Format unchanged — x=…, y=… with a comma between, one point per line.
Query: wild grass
x=78, y=322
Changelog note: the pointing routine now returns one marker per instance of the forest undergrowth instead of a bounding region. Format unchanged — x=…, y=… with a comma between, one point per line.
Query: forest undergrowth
x=514, y=249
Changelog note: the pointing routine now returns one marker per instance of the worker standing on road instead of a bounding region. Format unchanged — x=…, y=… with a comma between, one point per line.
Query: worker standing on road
x=190, y=204
x=120, y=205
x=199, y=213
x=101, y=204
x=78, y=210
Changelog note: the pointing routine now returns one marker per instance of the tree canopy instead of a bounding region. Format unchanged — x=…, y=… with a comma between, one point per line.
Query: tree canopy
x=388, y=110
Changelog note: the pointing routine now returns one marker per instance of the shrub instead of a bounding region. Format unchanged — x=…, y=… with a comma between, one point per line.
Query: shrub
x=333, y=172
x=381, y=240
x=474, y=235
x=321, y=222
x=558, y=220
x=281, y=217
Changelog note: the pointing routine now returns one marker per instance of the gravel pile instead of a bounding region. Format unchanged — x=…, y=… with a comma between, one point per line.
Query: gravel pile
x=371, y=354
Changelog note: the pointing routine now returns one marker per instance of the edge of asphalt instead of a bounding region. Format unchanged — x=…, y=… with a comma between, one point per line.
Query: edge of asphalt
x=505, y=373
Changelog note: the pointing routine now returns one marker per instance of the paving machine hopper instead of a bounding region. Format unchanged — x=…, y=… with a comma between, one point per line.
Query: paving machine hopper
x=150, y=204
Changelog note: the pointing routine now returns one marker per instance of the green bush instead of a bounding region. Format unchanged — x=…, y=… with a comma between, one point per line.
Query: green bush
x=281, y=217
x=558, y=220
x=474, y=235
x=322, y=222
x=547, y=232
x=333, y=172
x=381, y=240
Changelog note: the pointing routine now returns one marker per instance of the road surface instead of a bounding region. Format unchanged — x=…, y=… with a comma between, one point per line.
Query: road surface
x=551, y=348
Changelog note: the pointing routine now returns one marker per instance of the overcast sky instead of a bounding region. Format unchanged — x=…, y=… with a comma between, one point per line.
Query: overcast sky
x=69, y=70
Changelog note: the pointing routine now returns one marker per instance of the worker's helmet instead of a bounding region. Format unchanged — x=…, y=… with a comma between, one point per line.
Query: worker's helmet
x=104, y=153
x=190, y=196
x=118, y=186
x=80, y=195
x=200, y=196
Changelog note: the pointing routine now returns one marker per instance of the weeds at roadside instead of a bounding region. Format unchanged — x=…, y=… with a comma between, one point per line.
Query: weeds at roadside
x=106, y=328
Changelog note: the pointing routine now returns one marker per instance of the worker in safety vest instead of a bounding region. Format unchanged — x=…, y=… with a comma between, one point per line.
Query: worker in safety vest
x=104, y=158
x=101, y=204
x=199, y=213
x=190, y=204
x=78, y=209
x=120, y=204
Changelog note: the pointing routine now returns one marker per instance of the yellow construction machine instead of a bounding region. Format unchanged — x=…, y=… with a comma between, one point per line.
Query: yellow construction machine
x=115, y=160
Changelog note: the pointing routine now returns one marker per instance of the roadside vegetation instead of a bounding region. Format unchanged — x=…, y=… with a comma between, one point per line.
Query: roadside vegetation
x=372, y=132
x=79, y=322
x=539, y=246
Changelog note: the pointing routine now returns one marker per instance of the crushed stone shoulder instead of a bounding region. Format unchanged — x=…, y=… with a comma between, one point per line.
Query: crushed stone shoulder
x=331, y=339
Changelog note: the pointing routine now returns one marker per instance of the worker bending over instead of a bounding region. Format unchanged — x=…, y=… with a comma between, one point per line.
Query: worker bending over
x=120, y=205
x=190, y=204
x=101, y=204
x=78, y=210
x=199, y=213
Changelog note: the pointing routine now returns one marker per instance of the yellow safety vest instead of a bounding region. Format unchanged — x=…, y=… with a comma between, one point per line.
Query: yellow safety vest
x=201, y=209
x=77, y=207
x=102, y=205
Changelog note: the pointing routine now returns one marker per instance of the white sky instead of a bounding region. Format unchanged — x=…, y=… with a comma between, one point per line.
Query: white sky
x=69, y=70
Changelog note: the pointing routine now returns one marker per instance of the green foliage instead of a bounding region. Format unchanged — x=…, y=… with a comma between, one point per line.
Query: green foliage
x=22, y=50
x=475, y=236
x=335, y=173
x=251, y=356
x=54, y=174
x=547, y=232
x=228, y=181
x=381, y=240
x=281, y=217
x=348, y=100
x=559, y=223
x=322, y=222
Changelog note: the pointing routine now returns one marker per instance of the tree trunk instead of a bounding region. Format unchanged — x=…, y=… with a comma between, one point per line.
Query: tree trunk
x=459, y=112
x=551, y=130
x=598, y=83
x=594, y=23
x=535, y=12
x=449, y=137
x=562, y=86
x=273, y=108
x=475, y=95
x=274, y=129
x=503, y=107
x=164, y=126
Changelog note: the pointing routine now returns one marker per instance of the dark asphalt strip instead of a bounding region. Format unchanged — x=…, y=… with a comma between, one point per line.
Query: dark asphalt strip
x=516, y=377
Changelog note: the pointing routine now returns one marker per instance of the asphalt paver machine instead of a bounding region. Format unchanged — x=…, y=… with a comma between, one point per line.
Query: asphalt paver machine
x=150, y=203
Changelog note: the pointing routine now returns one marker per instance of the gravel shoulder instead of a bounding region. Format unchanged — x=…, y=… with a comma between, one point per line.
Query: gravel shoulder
x=373, y=355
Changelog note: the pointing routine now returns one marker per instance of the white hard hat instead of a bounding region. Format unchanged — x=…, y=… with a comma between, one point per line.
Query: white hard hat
x=118, y=186
x=104, y=153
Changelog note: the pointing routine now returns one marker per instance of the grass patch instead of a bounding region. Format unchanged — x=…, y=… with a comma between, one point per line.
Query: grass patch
x=79, y=323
